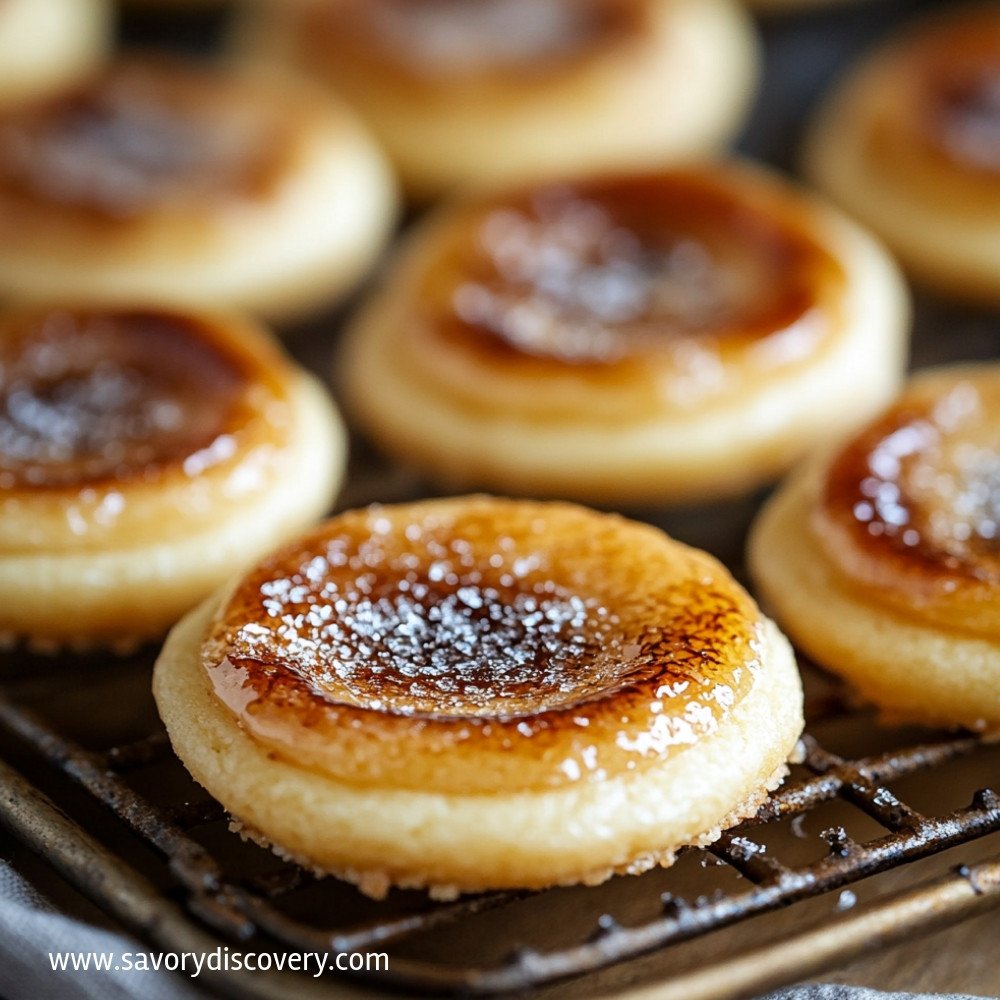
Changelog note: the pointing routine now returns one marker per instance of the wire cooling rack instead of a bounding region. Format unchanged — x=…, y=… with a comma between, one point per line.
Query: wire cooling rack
x=205, y=888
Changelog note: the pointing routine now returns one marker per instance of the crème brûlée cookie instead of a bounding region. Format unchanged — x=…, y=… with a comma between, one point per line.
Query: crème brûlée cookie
x=145, y=457
x=48, y=44
x=881, y=561
x=162, y=181
x=910, y=145
x=502, y=90
x=479, y=693
x=658, y=337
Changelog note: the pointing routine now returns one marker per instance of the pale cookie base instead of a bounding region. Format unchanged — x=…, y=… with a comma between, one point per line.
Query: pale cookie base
x=282, y=258
x=119, y=597
x=913, y=672
x=585, y=832
x=48, y=44
x=723, y=447
x=953, y=251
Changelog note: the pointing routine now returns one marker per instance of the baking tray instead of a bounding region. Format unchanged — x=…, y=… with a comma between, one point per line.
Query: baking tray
x=881, y=834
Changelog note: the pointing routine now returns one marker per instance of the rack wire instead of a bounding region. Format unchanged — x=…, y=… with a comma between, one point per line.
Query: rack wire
x=214, y=897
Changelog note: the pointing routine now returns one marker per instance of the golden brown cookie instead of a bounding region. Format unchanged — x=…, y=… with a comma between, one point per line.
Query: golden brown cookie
x=657, y=337
x=477, y=693
x=909, y=143
x=502, y=90
x=145, y=457
x=160, y=181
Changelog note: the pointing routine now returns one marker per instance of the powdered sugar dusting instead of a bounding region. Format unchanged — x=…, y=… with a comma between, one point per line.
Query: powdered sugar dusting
x=934, y=482
x=576, y=285
x=430, y=631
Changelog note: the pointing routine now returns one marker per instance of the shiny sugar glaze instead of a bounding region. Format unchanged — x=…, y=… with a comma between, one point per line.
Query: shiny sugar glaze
x=428, y=40
x=631, y=272
x=91, y=397
x=550, y=642
x=141, y=137
x=911, y=507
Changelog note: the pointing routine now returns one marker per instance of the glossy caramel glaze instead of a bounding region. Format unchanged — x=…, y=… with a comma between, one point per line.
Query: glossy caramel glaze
x=911, y=507
x=674, y=286
x=431, y=42
x=144, y=136
x=118, y=419
x=548, y=643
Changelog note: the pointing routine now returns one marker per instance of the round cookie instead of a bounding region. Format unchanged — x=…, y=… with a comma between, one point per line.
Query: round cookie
x=659, y=337
x=881, y=562
x=161, y=181
x=504, y=90
x=49, y=44
x=909, y=143
x=145, y=456
x=460, y=695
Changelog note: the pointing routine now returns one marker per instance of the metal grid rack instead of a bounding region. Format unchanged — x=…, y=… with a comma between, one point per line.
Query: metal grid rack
x=208, y=896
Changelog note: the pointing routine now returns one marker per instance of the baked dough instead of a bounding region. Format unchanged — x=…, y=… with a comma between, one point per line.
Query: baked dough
x=479, y=693
x=881, y=560
x=910, y=144
x=145, y=456
x=503, y=90
x=158, y=181
x=661, y=337
x=49, y=44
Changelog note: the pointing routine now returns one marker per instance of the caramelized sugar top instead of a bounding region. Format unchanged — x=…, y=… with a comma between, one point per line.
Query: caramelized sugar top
x=142, y=136
x=551, y=642
x=933, y=106
x=429, y=39
x=88, y=396
x=691, y=276
x=912, y=505
x=958, y=91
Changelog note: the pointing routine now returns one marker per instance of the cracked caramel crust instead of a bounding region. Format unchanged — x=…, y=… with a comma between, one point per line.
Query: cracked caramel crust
x=395, y=637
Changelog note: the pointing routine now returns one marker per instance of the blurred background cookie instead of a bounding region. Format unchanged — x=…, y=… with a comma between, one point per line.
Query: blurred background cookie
x=910, y=144
x=144, y=458
x=658, y=337
x=500, y=90
x=165, y=181
x=48, y=44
